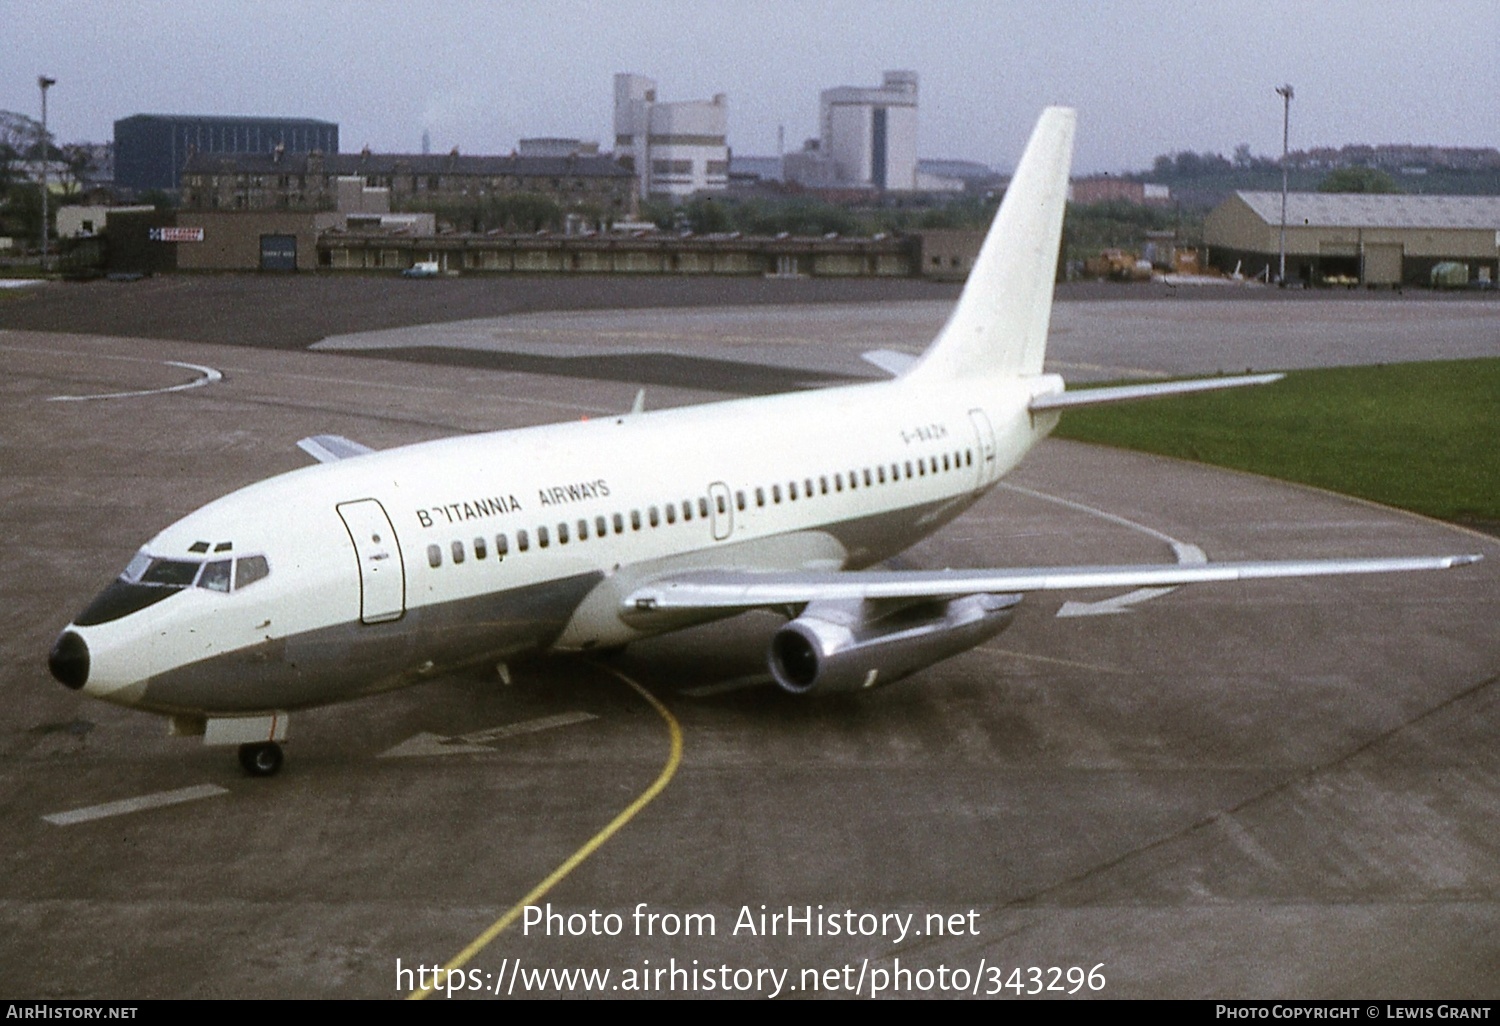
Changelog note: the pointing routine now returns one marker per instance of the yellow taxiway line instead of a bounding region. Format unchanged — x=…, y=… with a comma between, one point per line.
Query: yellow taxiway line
x=576, y=859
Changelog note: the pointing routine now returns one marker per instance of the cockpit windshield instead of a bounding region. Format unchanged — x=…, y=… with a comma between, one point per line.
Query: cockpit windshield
x=223, y=575
x=149, y=579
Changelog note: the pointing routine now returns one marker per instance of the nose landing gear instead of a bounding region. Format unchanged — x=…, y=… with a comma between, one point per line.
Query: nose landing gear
x=262, y=759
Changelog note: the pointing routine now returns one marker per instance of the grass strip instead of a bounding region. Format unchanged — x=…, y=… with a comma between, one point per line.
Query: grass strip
x=1419, y=436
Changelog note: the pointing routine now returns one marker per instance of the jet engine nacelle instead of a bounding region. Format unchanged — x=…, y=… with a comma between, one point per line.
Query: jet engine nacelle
x=839, y=646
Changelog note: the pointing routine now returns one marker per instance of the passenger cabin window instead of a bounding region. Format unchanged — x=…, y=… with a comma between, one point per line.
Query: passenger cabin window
x=523, y=541
x=480, y=549
x=562, y=534
x=619, y=524
x=739, y=500
x=542, y=540
x=600, y=527
x=458, y=552
x=652, y=516
x=502, y=546
x=671, y=513
x=635, y=520
x=434, y=556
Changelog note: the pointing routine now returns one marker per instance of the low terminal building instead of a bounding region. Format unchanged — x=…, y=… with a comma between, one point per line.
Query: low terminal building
x=644, y=254
x=155, y=241
x=290, y=240
x=1349, y=238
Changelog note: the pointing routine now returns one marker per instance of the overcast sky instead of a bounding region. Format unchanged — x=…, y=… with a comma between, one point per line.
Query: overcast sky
x=1148, y=77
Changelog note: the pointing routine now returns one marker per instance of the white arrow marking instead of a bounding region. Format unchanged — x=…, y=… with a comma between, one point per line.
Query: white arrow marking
x=477, y=743
x=1118, y=604
x=1186, y=553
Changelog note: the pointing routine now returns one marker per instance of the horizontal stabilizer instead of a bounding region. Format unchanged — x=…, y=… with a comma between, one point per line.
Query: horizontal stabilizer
x=748, y=589
x=331, y=448
x=889, y=360
x=1128, y=393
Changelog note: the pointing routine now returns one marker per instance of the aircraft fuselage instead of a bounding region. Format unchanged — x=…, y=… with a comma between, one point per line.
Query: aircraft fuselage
x=388, y=568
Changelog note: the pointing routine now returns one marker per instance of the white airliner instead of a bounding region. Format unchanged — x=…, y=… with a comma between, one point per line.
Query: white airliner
x=375, y=570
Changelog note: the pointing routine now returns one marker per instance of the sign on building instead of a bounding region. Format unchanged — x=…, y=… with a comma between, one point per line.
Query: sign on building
x=176, y=234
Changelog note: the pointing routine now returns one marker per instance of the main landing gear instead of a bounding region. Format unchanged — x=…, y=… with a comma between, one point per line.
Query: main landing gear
x=262, y=759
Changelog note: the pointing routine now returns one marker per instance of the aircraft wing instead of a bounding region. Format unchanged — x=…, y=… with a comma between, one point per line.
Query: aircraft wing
x=329, y=448
x=749, y=589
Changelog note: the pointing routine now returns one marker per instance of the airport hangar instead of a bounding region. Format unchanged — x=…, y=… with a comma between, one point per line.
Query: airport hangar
x=1373, y=239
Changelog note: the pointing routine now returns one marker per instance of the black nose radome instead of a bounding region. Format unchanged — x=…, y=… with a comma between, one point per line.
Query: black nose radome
x=69, y=660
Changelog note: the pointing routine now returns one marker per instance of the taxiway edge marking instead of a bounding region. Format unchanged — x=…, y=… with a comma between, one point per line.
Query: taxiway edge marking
x=126, y=805
x=1186, y=553
x=208, y=377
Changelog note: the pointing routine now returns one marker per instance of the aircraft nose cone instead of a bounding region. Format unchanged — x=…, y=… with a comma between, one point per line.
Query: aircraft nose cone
x=69, y=660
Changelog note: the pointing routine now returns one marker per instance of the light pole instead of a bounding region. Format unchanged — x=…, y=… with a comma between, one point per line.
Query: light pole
x=1285, y=92
x=43, y=81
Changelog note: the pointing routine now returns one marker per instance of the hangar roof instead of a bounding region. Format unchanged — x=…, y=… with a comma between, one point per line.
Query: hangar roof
x=1374, y=210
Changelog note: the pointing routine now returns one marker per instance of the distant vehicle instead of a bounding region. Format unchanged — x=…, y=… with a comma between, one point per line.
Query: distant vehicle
x=422, y=269
x=1450, y=274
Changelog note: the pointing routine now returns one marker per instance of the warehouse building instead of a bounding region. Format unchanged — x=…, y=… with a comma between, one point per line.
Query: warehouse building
x=1371, y=239
x=151, y=149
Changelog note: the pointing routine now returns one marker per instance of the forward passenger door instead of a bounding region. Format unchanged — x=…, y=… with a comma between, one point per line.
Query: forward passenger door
x=382, y=571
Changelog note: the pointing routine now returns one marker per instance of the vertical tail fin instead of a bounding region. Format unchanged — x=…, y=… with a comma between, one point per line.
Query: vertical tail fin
x=1000, y=324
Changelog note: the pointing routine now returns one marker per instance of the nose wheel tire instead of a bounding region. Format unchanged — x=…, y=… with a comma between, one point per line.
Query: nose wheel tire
x=261, y=760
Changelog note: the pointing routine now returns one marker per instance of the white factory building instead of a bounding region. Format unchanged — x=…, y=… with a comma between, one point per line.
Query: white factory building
x=870, y=135
x=675, y=149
